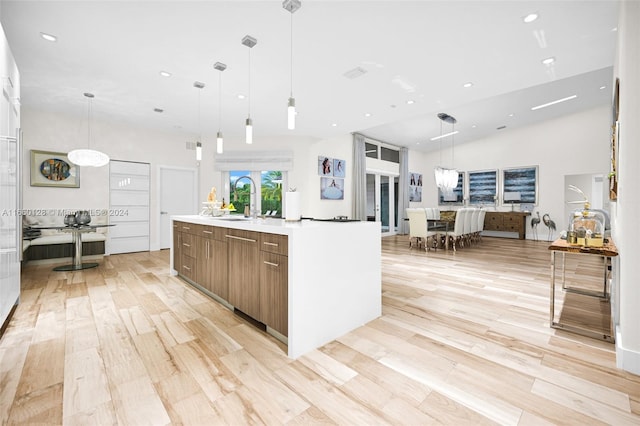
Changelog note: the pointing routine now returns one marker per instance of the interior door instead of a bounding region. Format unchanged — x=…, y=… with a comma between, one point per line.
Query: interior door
x=382, y=201
x=178, y=196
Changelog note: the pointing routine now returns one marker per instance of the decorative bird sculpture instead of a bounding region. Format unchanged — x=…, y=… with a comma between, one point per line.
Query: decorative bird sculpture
x=546, y=219
x=534, y=225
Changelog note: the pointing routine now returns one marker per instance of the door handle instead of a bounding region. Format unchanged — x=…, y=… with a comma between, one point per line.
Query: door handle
x=164, y=212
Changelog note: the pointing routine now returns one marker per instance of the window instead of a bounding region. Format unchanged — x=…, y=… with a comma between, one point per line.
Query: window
x=268, y=184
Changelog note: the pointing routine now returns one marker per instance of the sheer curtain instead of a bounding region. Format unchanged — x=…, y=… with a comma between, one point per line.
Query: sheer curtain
x=359, y=178
x=403, y=191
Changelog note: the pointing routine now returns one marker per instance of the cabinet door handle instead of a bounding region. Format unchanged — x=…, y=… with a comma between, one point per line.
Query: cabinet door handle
x=208, y=250
x=186, y=267
x=185, y=227
x=241, y=238
x=207, y=232
x=271, y=263
x=186, y=245
x=270, y=244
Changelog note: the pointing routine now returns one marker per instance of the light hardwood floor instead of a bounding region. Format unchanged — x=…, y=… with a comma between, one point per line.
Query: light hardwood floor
x=464, y=339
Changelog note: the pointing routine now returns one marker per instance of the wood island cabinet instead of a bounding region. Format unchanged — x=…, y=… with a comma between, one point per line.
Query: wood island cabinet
x=211, y=260
x=273, y=271
x=274, y=291
x=244, y=272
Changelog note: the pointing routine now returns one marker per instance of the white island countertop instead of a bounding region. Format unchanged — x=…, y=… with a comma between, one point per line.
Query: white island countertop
x=334, y=274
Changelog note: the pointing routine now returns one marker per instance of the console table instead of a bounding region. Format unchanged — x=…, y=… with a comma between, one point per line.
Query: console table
x=507, y=222
x=606, y=252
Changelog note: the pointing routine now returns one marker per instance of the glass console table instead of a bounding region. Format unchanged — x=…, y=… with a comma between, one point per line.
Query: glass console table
x=605, y=253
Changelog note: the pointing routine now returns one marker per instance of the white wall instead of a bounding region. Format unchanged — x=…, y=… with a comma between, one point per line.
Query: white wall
x=574, y=144
x=60, y=133
x=54, y=132
x=625, y=223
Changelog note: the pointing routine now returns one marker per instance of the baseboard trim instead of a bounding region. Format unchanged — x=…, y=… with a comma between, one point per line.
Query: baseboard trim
x=626, y=359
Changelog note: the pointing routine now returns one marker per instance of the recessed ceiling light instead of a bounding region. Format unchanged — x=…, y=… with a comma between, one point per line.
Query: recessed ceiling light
x=530, y=18
x=603, y=87
x=411, y=102
x=367, y=114
x=48, y=37
x=241, y=96
x=549, y=61
x=334, y=124
x=165, y=73
x=468, y=84
x=511, y=115
x=568, y=98
x=473, y=126
x=158, y=110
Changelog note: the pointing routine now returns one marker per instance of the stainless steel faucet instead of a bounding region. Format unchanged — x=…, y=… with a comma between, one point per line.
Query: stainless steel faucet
x=253, y=213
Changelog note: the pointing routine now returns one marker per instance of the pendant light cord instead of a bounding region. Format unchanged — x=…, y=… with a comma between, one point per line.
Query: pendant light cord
x=199, y=129
x=219, y=101
x=89, y=125
x=453, y=132
x=440, y=143
x=249, y=102
x=291, y=54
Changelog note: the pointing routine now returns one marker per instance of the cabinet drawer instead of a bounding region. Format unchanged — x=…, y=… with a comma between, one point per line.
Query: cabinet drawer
x=212, y=232
x=188, y=245
x=512, y=220
x=188, y=228
x=274, y=243
x=188, y=268
x=242, y=236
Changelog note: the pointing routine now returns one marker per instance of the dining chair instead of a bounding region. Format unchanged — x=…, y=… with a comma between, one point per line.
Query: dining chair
x=457, y=235
x=418, y=228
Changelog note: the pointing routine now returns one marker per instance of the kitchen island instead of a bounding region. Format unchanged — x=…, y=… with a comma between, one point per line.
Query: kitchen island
x=308, y=282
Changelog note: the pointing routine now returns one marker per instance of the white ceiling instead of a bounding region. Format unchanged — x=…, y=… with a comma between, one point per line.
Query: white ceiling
x=421, y=51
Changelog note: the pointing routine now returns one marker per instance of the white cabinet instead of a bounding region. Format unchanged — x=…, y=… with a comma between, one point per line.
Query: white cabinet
x=128, y=207
x=10, y=173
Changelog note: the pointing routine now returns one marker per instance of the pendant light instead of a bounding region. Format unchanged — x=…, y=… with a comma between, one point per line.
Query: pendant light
x=291, y=6
x=199, y=85
x=446, y=179
x=88, y=157
x=249, y=42
x=219, y=141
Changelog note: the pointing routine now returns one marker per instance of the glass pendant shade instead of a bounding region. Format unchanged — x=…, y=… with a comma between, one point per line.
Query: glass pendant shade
x=88, y=158
x=249, y=132
x=291, y=114
x=219, y=143
x=446, y=179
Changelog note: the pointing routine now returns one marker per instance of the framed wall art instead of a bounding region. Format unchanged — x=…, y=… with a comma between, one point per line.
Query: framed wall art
x=456, y=197
x=331, y=188
x=415, y=187
x=520, y=185
x=325, y=166
x=53, y=169
x=483, y=187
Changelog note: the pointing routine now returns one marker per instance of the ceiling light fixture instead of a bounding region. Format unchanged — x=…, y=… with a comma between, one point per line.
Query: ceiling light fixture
x=249, y=42
x=88, y=157
x=48, y=37
x=165, y=73
x=568, y=98
x=199, y=85
x=435, y=138
x=291, y=6
x=446, y=179
x=219, y=140
x=549, y=61
x=467, y=85
x=411, y=102
x=530, y=18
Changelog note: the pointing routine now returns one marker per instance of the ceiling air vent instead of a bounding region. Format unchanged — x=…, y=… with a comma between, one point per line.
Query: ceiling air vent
x=355, y=73
x=501, y=127
x=191, y=146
